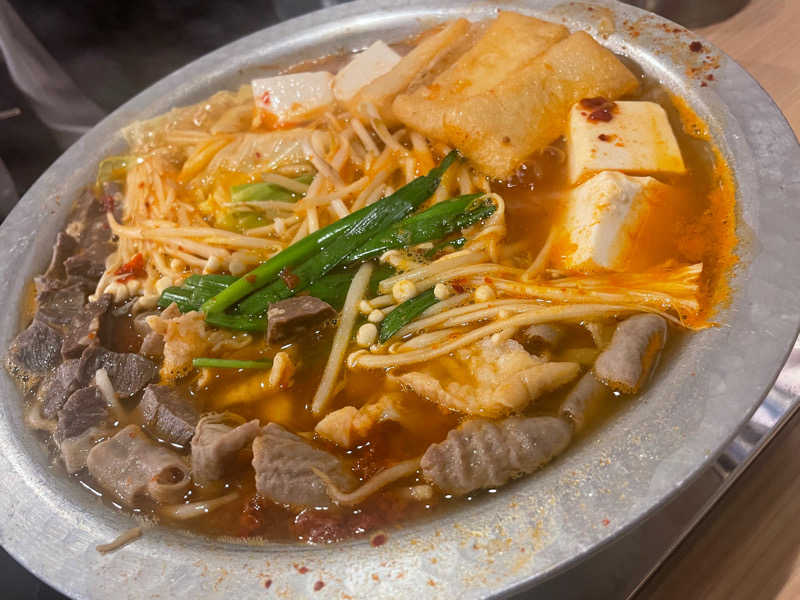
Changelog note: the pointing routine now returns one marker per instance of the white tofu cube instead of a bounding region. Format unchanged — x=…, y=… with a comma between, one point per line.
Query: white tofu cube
x=637, y=140
x=286, y=99
x=367, y=66
x=612, y=223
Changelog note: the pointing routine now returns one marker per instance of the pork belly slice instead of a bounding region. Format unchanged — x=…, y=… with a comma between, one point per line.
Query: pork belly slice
x=283, y=463
x=486, y=454
x=130, y=466
x=626, y=364
x=494, y=380
x=215, y=446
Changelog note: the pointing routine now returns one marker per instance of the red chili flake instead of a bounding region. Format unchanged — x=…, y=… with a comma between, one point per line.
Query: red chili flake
x=251, y=279
x=601, y=108
x=290, y=279
x=265, y=98
x=267, y=583
x=131, y=269
x=710, y=77
x=108, y=203
x=302, y=570
x=379, y=539
x=606, y=522
x=319, y=585
x=457, y=287
x=696, y=47
x=703, y=84
x=603, y=137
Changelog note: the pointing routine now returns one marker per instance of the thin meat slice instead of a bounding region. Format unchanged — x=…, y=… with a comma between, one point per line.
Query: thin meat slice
x=58, y=386
x=132, y=467
x=82, y=421
x=129, y=373
x=283, y=463
x=586, y=399
x=34, y=352
x=294, y=317
x=58, y=307
x=485, y=454
x=215, y=445
x=626, y=364
x=91, y=326
x=168, y=414
x=55, y=275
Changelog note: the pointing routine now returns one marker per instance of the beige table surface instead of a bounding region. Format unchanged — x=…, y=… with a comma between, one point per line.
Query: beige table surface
x=748, y=546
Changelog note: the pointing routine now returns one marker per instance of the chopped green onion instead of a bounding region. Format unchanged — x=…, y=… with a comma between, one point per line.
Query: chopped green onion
x=227, y=363
x=264, y=192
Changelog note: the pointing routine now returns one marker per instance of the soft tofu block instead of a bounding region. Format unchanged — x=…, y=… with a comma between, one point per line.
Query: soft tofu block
x=637, y=140
x=367, y=66
x=511, y=41
x=612, y=223
x=500, y=128
x=285, y=99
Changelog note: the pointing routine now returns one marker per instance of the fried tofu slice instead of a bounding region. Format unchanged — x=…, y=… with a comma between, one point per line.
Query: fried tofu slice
x=492, y=380
x=501, y=127
x=412, y=68
x=511, y=41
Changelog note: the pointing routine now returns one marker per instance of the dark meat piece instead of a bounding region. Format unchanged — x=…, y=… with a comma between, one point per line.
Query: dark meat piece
x=283, y=463
x=58, y=306
x=485, y=454
x=82, y=421
x=586, y=399
x=90, y=264
x=91, y=326
x=131, y=466
x=59, y=385
x=626, y=364
x=55, y=275
x=215, y=445
x=152, y=342
x=168, y=414
x=293, y=317
x=129, y=373
x=34, y=352
x=84, y=408
x=88, y=216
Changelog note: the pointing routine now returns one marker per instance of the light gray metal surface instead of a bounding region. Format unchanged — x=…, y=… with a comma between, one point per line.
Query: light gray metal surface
x=528, y=531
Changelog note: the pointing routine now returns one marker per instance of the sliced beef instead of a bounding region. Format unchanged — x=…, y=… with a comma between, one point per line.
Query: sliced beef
x=88, y=218
x=215, y=445
x=34, y=352
x=283, y=463
x=129, y=373
x=84, y=408
x=59, y=385
x=586, y=399
x=130, y=466
x=59, y=306
x=152, y=342
x=626, y=364
x=91, y=326
x=81, y=422
x=168, y=414
x=293, y=317
x=55, y=276
x=485, y=454
x=90, y=264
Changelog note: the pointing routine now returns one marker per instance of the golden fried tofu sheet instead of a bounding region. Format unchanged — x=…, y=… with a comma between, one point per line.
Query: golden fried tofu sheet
x=500, y=128
x=412, y=68
x=511, y=41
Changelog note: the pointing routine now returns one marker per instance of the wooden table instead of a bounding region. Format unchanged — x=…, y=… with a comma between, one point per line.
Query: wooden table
x=748, y=546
